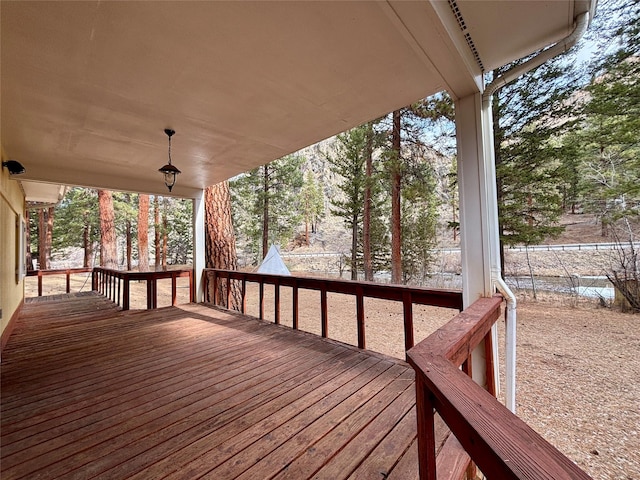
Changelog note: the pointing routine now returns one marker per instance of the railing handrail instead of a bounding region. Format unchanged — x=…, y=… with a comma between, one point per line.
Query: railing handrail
x=500, y=443
x=58, y=271
x=436, y=297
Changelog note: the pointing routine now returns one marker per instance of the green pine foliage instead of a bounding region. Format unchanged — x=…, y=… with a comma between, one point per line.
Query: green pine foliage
x=311, y=201
x=348, y=163
x=179, y=231
x=76, y=218
x=530, y=115
x=419, y=225
x=270, y=192
x=607, y=145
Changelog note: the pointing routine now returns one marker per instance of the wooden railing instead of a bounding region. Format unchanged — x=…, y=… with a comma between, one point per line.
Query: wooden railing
x=498, y=442
x=407, y=295
x=65, y=271
x=116, y=284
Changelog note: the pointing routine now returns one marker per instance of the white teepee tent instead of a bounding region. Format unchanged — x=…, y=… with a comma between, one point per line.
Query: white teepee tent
x=273, y=263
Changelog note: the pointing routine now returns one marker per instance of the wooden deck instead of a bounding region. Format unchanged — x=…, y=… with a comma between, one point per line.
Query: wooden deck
x=90, y=391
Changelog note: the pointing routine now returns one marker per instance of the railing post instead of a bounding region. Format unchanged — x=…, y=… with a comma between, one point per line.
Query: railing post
x=94, y=280
x=68, y=272
x=360, y=316
x=205, y=279
x=39, y=283
x=276, y=301
x=407, y=306
x=323, y=311
x=215, y=288
x=426, y=431
x=149, y=293
x=126, y=293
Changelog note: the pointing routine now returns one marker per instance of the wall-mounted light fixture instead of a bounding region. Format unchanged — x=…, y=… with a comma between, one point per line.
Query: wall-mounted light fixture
x=169, y=171
x=14, y=167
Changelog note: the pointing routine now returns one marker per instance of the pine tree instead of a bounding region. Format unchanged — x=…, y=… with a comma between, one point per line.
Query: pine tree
x=312, y=203
x=108, y=252
x=78, y=222
x=266, y=204
x=419, y=221
x=529, y=116
x=354, y=150
x=404, y=158
x=143, y=232
x=220, y=241
x=610, y=138
x=348, y=163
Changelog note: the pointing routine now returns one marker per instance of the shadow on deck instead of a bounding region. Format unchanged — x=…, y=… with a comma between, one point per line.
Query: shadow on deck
x=90, y=391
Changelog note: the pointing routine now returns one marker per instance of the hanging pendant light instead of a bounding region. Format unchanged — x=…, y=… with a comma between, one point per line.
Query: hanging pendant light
x=169, y=171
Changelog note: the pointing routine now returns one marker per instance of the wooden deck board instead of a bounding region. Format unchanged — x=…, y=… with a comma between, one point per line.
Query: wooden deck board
x=89, y=391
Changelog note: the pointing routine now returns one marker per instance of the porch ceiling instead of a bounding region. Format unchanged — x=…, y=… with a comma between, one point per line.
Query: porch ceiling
x=88, y=87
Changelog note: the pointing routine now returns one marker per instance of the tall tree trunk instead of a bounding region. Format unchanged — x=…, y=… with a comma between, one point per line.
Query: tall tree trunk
x=165, y=230
x=49, y=241
x=143, y=233
x=366, y=215
x=156, y=232
x=42, y=239
x=396, y=177
x=265, y=212
x=354, y=248
x=498, y=135
x=86, y=245
x=29, y=258
x=129, y=244
x=108, y=251
x=220, y=241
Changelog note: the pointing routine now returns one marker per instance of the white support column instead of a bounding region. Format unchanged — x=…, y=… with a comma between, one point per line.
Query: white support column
x=198, y=245
x=478, y=223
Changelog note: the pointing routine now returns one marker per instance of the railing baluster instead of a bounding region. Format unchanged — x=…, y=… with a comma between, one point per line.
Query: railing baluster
x=467, y=366
x=276, y=301
x=174, y=289
x=261, y=300
x=215, y=288
x=39, y=283
x=360, y=317
x=323, y=311
x=229, y=292
x=407, y=306
x=243, y=304
x=68, y=272
x=489, y=365
x=295, y=306
x=192, y=290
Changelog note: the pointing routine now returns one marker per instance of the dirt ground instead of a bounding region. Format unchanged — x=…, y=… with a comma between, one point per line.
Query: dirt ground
x=578, y=367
